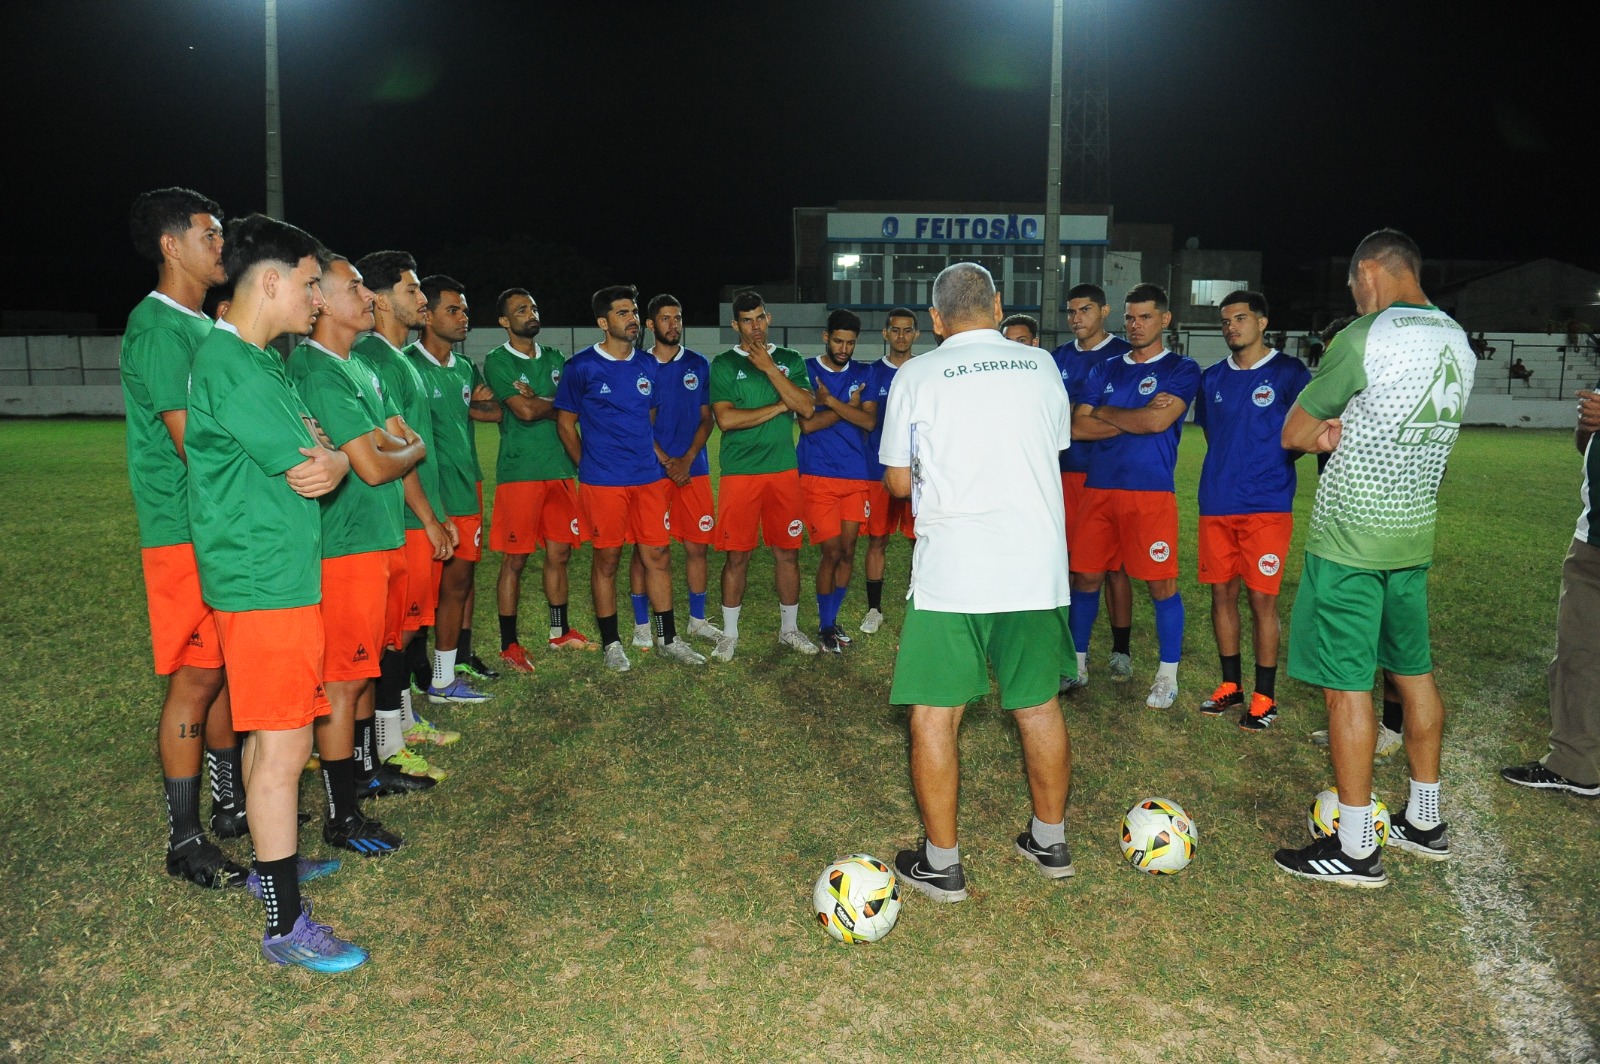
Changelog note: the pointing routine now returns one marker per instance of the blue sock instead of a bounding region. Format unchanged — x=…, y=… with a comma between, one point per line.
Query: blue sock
x=825, y=614
x=838, y=602
x=1169, y=627
x=641, y=609
x=697, y=605
x=1081, y=615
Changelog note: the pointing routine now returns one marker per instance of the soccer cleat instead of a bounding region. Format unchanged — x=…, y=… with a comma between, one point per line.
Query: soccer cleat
x=1434, y=843
x=681, y=652
x=796, y=639
x=357, y=834
x=1069, y=684
x=1389, y=744
x=475, y=668
x=844, y=640
x=424, y=731
x=1536, y=776
x=1326, y=860
x=1262, y=712
x=1163, y=693
x=617, y=658
x=1227, y=696
x=942, y=884
x=314, y=946
x=457, y=690
x=643, y=637
x=1053, y=862
x=726, y=645
x=228, y=822
x=306, y=870
x=387, y=782
x=408, y=762
x=872, y=621
x=573, y=640
x=1120, y=667
x=703, y=629
x=829, y=641
x=516, y=659
x=202, y=863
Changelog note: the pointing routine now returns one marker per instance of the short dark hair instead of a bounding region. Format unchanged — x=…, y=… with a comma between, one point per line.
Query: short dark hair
x=1334, y=328
x=601, y=301
x=1391, y=249
x=161, y=211
x=844, y=321
x=1255, y=300
x=1148, y=293
x=259, y=239
x=437, y=284
x=505, y=297
x=1087, y=291
x=662, y=300
x=901, y=312
x=746, y=301
x=1027, y=321
x=381, y=270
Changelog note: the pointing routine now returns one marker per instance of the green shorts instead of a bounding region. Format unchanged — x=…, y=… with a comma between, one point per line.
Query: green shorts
x=1348, y=623
x=944, y=657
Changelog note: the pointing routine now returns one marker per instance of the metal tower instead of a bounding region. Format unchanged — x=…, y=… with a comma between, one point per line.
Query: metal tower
x=1087, y=119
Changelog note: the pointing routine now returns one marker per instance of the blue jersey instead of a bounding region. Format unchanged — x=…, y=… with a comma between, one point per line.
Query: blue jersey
x=840, y=450
x=1130, y=461
x=880, y=376
x=1075, y=364
x=613, y=399
x=1246, y=470
x=681, y=390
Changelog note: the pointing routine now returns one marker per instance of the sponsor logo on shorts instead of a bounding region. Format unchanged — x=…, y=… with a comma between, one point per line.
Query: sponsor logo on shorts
x=195, y=640
x=512, y=536
x=360, y=654
x=643, y=384
x=1269, y=564
x=477, y=536
x=866, y=508
x=574, y=526
x=1148, y=385
x=1160, y=550
x=1263, y=395
x=691, y=381
x=706, y=521
x=415, y=609
x=795, y=528
x=666, y=521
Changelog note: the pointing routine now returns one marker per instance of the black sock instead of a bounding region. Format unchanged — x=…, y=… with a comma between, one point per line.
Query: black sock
x=366, y=748
x=875, y=595
x=339, y=785
x=558, y=617
x=1394, y=716
x=666, y=627
x=608, y=630
x=508, y=631
x=417, y=660
x=1232, y=669
x=183, y=810
x=391, y=681
x=1267, y=680
x=226, y=791
x=280, y=893
x=1120, y=639
x=464, y=646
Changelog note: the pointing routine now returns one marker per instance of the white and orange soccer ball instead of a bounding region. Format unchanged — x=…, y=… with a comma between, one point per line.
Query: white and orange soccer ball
x=1159, y=837
x=1323, y=816
x=857, y=899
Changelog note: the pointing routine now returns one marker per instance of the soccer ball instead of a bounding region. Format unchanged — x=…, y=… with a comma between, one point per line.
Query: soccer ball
x=857, y=899
x=1159, y=837
x=1323, y=817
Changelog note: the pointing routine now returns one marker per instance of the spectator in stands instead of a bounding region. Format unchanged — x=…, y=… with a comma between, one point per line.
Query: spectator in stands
x=1520, y=372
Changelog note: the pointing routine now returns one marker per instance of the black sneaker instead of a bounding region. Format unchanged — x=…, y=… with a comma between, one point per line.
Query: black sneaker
x=1227, y=696
x=1055, y=862
x=1433, y=843
x=200, y=862
x=476, y=668
x=1536, y=776
x=944, y=884
x=828, y=641
x=1326, y=860
x=390, y=781
x=359, y=835
x=838, y=633
x=228, y=822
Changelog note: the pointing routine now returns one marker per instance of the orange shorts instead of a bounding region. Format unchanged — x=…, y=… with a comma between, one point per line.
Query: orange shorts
x=394, y=608
x=769, y=502
x=274, y=667
x=354, y=600
x=470, y=530
x=530, y=513
x=182, y=630
x=422, y=581
x=633, y=514
x=1072, y=490
x=885, y=513
x=1132, y=530
x=691, y=513
x=830, y=502
x=1251, y=546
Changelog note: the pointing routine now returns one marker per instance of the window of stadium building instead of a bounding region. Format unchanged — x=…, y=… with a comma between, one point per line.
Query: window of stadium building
x=1212, y=293
x=852, y=266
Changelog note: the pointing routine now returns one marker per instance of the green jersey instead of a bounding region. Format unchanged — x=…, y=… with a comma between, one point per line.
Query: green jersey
x=529, y=450
x=448, y=390
x=256, y=542
x=345, y=396
x=769, y=447
x=157, y=347
x=402, y=384
x=1398, y=380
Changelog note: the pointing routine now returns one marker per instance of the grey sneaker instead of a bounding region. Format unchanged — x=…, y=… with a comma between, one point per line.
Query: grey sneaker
x=643, y=637
x=726, y=645
x=703, y=629
x=1121, y=668
x=872, y=621
x=1389, y=744
x=617, y=658
x=1070, y=684
x=797, y=640
x=1319, y=737
x=681, y=652
x=1163, y=693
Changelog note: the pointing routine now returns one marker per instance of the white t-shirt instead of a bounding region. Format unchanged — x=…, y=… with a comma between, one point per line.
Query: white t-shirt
x=981, y=421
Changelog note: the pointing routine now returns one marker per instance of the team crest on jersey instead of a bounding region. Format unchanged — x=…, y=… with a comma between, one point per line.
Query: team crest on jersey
x=706, y=521
x=691, y=381
x=1160, y=550
x=377, y=387
x=1437, y=416
x=466, y=394
x=643, y=385
x=555, y=375
x=1217, y=398
x=523, y=377
x=795, y=528
x=1269, y=564
x=1263, y=395
x=437, y=394
x=1148, y=385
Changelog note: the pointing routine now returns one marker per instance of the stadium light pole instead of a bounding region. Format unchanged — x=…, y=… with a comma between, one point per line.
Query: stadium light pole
x=275, y=118
x=1050, y=286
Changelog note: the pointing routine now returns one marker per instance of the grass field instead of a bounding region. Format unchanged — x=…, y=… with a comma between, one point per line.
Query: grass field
x=620, y=867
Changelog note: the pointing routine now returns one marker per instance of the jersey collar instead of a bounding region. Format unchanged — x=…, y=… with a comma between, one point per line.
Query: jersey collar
x=175, y=305
x=1272, y=354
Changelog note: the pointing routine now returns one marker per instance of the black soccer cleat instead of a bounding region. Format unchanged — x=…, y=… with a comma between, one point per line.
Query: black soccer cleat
x=229, y=822
x=1054, y=862
x=1434, y=843
x=389, y=781
x=942, y=884
x=201, y=862
x=828, y=641
x=476, y=668
x=1227, y=696
x=357, y=834
x=1326, y=860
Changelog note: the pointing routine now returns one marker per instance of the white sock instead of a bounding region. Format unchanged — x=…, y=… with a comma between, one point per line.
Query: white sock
x=1048, y=834
x=730, y=621
x=1422, y=810
x=1169, y=669
x=408, y=713
x=790, y=617
x=941, y=858
x=391, y=732
x=1357, y=835
x=1083, y=664
x=444, y=667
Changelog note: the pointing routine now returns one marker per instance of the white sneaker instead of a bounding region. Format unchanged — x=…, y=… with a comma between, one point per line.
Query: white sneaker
x=872, y=621
x=1163, y=693
x=795, y=638
x=617, y=658
x=643, y=638
x=726, y=645
x=681, y=652
x=699, y=626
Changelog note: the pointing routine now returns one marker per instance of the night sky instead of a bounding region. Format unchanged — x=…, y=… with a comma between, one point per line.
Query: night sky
x=665, y=144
